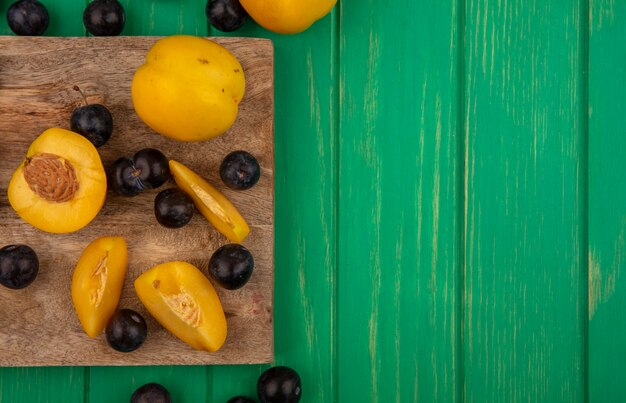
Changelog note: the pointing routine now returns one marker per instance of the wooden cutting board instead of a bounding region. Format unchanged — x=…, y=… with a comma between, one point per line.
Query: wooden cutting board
x=38, y=325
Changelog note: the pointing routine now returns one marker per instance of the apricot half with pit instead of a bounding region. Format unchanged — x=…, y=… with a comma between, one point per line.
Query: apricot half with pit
x=61, y=184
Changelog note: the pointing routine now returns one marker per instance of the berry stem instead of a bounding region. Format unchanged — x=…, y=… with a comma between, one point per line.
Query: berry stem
x=77, y=88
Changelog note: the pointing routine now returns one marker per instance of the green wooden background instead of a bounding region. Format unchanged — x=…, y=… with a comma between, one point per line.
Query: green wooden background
x=450, y=206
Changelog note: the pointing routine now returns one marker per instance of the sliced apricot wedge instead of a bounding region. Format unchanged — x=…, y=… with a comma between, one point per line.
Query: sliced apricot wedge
x=97, y=282
x=184, y=302
x=211, y=203
x=61, y=184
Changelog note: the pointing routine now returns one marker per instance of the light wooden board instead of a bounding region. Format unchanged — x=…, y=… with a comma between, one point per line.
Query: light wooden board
x=38, y=325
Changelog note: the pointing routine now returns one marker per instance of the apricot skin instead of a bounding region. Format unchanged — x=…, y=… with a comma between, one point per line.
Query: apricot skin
x=97, y=282
x=287, y=16
x=189, y=88
x=212, y=204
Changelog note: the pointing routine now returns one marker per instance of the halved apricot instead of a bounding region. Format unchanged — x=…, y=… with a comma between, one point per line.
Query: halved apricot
x=184, y=302
x=97, y=282
x=61, y=184
x=213, y=205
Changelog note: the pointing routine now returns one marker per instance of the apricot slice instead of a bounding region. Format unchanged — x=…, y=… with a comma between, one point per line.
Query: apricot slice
x=184, y=302
x=97, y=282
x=213, y=205
x=61, y=184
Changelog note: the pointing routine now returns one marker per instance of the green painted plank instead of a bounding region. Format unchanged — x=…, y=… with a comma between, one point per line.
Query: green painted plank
x=305, y=195
x=607, y=201
x=187, y=384
x=399, y=226
x=525, y=312
x=158, y=17
x=39, y=385
x=66, y=17
x=237, y=380
x=61, y=384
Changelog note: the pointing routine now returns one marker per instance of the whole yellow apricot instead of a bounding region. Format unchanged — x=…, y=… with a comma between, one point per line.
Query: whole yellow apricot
x=287, y=16
x=189, y=88
x=61, y=184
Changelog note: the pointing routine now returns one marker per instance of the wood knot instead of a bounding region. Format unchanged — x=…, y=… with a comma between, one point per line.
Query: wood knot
x=51, y=177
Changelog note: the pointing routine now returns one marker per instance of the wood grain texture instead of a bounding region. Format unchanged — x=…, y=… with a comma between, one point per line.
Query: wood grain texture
x=519, y=187
x=66, y=17
x=155, y=17
x=158, y=17
x=398, y=212
x=525, y=303
x=306, y=195
x=35, y=93
x=62, y=384
x=42, y=385
x=186, y=384
x=607, y=201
